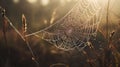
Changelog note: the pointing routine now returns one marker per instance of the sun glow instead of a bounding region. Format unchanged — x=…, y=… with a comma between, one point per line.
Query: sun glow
x=44, y=2
x=32, y=1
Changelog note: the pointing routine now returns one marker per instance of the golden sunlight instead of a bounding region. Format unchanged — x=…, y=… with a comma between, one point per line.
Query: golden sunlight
x=44, y=2
x=32, y=1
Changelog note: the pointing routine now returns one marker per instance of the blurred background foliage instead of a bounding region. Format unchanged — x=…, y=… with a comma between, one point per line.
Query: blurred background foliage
x=40, y=14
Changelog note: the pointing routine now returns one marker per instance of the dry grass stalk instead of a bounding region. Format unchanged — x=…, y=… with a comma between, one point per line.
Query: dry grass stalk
x=5, y=24
x=24, y=25
x=24, y=31
x=53, y=17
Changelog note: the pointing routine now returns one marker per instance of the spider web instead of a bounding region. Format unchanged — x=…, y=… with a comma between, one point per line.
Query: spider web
x=74, y=30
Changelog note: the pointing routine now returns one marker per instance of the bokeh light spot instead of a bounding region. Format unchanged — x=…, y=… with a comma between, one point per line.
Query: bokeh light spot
x=44, y=2
x=16, y=1
x=32, y=1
